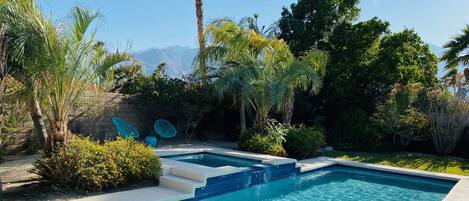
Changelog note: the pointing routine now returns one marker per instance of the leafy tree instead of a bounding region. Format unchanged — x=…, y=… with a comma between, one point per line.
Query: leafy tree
x=408, y=58
x=351, y=78
x=366, y=61
x=309, y=23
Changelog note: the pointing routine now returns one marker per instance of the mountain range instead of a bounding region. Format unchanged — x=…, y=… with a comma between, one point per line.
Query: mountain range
x=179, y=59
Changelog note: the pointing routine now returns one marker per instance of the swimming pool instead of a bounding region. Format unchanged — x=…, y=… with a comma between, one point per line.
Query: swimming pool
x=213, y=160
x=344, y=183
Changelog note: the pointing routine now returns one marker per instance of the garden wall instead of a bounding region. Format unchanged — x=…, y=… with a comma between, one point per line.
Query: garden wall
x=95, y=121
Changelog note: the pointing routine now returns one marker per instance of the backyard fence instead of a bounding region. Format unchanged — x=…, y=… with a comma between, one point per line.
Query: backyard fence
x=95, y=120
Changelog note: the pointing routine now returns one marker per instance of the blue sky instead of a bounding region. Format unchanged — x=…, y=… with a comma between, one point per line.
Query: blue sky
x=159, y=23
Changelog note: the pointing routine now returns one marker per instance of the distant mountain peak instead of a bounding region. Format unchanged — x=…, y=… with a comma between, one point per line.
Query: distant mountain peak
x=177, y=58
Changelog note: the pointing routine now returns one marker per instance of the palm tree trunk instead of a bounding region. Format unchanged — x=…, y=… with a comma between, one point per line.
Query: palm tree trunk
x=39, y=126
x=242, y=115
x=3, y=70
x=59, y=132
x=201, y=38
x=288, y=112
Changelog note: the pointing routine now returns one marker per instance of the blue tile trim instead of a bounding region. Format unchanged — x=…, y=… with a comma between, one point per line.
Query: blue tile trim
x=257, y=174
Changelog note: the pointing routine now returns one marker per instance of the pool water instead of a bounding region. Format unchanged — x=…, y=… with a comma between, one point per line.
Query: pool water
x=213, y=160
x=344, y=183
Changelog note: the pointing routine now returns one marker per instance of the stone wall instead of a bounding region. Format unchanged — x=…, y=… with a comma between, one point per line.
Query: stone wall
x=96, y=121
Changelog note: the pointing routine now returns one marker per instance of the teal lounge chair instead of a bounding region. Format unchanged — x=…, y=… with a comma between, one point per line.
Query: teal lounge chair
x=164, y=128
x=124, y=129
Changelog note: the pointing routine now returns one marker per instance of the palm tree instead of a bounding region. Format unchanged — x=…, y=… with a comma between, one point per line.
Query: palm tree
x=301, y=74
x=231, y=47
x=457, y=53
x=26, y=37
x=201, y=39
x=260, y=71
x=55, y=66
x=79, y=69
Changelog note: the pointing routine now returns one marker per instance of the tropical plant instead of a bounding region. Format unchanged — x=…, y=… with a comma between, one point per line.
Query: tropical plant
x=55, y=65
x=243, y=69
x=27, y=37
x=457, y=53
x=448, y=117
x=301, y=74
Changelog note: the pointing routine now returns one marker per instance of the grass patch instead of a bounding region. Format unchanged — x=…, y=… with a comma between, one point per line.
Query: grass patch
x=418, y=161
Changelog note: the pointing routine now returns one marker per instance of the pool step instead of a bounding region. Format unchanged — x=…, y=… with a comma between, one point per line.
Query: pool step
x=187, y=174
x=179, y=183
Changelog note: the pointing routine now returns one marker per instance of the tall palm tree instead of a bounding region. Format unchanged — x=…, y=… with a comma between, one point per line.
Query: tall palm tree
x=457, y=53
x=201, y=38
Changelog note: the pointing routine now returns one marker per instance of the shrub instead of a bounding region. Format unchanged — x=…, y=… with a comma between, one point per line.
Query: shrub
x=265, y=142
x=85, y=165
x=136, y=161
x=401, y=116
x=301, y=142
x=448, y=117
x=353, y=131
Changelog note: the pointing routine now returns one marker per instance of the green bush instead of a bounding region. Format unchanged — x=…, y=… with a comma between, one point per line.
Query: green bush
x=253, y=140
x=353, y=131
x=302, y=141
x=85, y=165
x=268, y=141
x=136, y=161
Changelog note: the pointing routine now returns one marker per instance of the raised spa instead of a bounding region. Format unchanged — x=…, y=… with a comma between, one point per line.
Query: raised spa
x=213, y=160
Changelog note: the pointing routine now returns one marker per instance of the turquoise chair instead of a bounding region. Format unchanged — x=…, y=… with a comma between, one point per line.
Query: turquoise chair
x=164, y=128
x=124, y=129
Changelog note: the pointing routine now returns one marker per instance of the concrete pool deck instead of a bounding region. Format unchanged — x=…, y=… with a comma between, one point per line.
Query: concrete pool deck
x=179, y=180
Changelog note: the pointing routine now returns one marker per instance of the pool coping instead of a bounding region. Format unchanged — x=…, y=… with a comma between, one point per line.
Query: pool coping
x=459, y=192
